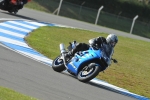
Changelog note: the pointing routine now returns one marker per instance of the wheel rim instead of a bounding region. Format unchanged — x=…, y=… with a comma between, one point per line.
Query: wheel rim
x=86, y=72
x=58, y=61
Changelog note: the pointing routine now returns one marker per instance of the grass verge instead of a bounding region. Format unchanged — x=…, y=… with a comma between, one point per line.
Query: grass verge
x=132, y=70
x=89, y=15
x=8, y=94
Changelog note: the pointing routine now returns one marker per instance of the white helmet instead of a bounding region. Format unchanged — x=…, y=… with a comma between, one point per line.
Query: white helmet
x=112, y=39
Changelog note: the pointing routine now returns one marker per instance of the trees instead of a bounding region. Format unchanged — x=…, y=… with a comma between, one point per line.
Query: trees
x=145, y=2
x=129, y=8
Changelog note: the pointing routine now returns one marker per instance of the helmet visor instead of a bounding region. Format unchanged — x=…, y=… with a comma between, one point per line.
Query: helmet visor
x=113, y=44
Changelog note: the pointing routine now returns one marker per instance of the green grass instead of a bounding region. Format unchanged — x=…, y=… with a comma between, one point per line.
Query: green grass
x=132, y=70
x=8, y=94
x=43, y=5
x=89, y=15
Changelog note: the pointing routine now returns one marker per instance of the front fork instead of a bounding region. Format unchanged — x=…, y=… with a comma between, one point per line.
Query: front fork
x=63, y=51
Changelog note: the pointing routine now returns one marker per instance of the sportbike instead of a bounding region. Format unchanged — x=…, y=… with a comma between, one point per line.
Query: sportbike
x=85, y=65
x=12, y=6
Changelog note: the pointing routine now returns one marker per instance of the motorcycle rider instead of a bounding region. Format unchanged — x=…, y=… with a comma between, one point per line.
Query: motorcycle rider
x=12, y=6
x=106, y=44
x=23, y=2
x=18, y=3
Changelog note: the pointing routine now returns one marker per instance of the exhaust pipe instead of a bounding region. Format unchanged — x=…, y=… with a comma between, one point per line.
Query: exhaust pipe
x=63, y=51
x=62, y=48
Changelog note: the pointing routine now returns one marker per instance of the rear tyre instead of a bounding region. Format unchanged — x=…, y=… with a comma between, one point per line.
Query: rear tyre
x=2, y=3
x=15, y=12
x=10, y=11
x=88, y=72
x=58, y=64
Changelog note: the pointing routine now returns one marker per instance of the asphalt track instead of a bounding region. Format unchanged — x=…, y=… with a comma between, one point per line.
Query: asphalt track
x=39, y=80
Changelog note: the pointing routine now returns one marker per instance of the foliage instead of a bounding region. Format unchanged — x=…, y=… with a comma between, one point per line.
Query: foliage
x=8, y=94
x=85, y=14
x=127, y=8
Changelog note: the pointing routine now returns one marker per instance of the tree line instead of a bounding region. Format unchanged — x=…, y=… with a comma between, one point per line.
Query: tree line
x=126, y=8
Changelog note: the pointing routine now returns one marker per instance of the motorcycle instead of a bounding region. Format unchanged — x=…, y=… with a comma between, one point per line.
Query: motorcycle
x=85, y=65
x=11, y=6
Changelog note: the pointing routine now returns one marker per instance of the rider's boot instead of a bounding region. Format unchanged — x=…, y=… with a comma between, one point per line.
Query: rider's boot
x=73, y=51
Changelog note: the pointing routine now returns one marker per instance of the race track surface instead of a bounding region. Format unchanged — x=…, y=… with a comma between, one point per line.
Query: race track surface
x=38, y=80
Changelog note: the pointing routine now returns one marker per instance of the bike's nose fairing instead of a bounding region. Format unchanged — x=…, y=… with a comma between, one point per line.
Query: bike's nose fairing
x=82, y=57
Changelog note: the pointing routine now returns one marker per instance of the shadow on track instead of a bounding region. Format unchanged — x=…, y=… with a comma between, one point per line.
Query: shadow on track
x=110, y=89
x=99, y=85
x=17, y=15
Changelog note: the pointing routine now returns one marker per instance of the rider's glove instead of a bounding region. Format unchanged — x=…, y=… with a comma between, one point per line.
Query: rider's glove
x=100, y=40
x=115, y=61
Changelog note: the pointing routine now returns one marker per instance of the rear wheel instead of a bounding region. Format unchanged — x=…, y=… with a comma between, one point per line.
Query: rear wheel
x=10, y=11
x=58, y=64
x=2, y=3
x=13, y=10
x=88, y=72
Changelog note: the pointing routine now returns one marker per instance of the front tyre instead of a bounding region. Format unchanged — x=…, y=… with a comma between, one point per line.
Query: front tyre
x=88, y=72
x=58, y=64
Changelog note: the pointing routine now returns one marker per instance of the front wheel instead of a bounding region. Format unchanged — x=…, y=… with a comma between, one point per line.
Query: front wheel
x=58, y=64
x=88, y=72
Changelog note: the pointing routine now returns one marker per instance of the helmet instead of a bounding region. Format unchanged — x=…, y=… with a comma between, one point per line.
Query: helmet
x=112, y=39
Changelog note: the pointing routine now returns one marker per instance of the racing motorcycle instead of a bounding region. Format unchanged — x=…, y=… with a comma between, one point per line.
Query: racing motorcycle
x=12, y=6
x=85, y=65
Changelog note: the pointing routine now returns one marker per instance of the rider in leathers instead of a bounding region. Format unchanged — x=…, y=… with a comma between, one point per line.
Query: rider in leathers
x=19, y=3
x=106, y=44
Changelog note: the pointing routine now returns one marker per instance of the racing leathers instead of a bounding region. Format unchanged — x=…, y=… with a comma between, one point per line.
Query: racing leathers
x=99, y=42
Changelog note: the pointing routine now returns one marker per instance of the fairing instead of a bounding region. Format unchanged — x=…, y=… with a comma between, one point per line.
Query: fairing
x=82, y=57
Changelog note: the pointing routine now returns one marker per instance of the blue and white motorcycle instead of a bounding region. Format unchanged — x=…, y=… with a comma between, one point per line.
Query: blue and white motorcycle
x=85, y=65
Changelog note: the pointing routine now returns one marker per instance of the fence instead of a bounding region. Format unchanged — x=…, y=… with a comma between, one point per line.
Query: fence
x=105, y=19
